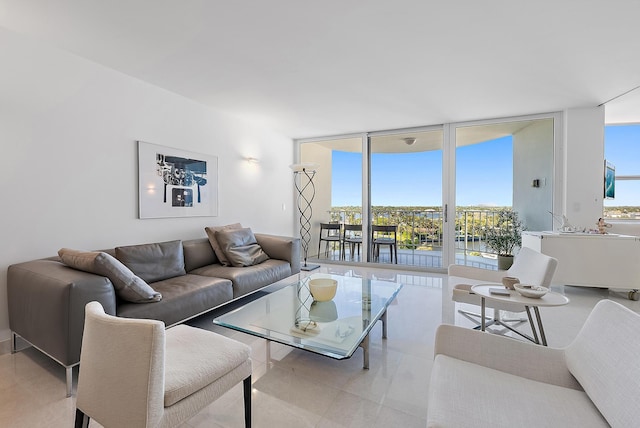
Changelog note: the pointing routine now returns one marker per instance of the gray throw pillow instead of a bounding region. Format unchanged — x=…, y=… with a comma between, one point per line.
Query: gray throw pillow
x=154, y=262
x=211, y=234
x=128, y=286
x=240, y=247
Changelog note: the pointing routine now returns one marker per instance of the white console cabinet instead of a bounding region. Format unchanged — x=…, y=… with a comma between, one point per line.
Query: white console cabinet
x=591, y=260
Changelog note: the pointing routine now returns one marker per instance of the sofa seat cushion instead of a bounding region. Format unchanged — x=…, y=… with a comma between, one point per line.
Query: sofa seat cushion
x=183, y=297
x=465, y=394
x=250, y=278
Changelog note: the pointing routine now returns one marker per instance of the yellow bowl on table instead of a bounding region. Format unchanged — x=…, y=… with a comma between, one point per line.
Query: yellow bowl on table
x=323, y=289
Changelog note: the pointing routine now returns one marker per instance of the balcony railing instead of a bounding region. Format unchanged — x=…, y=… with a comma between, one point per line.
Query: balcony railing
x=421, y=229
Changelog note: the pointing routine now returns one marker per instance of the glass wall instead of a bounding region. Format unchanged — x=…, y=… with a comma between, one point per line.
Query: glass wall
x=501, y=166
x=622, y=151
x=406, y=195
x=407, y=182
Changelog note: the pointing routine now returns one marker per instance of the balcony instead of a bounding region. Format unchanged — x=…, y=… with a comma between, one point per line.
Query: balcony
x=420, y=236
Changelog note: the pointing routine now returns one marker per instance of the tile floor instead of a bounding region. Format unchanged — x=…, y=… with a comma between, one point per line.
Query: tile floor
x=294, y=388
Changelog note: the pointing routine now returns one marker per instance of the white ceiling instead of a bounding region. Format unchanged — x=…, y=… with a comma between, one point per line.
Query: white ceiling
x=331, y=67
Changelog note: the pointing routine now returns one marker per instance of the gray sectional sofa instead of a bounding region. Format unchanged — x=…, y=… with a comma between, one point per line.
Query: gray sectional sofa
x=47, y=298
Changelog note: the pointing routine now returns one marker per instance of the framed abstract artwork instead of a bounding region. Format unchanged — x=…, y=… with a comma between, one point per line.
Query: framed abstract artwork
x=176, y=183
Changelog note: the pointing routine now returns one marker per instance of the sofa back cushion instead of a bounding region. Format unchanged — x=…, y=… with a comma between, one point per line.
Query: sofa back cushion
x=604, y=359
x=128, y=286
x=154, y=262
x=198, y=253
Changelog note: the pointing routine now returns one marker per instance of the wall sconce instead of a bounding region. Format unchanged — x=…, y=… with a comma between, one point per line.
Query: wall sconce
x=252, y=160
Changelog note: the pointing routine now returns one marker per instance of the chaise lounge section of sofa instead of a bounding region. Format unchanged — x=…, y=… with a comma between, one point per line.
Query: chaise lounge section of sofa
x=47, y=298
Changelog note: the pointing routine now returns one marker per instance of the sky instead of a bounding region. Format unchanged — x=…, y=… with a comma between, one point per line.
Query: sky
x=622, y=149
x=483, y=174
x=415, y=179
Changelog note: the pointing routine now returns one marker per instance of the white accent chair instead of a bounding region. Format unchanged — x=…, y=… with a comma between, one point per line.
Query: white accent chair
x=484, y=380
x=134, y=373
x=529, y=266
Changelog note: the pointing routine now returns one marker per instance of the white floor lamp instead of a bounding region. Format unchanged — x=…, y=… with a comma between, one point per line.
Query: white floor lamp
x=303, y=174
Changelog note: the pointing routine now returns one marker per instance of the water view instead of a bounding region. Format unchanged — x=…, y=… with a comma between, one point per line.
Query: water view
x=420, y=236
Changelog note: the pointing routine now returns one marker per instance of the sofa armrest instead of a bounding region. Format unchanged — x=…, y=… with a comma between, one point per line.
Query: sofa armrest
x=46, y=305
x=282, y=248
x=523, y=359
x=477, y=274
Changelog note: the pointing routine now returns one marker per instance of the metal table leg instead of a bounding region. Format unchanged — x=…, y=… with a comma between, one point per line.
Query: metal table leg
x=542, y=336
x=365, y=352
x=533, y=326
x=383, y=318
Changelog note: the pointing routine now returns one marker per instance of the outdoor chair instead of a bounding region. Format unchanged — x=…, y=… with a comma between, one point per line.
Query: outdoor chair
x=330, y=234
x=385, y=236
x=351, y=235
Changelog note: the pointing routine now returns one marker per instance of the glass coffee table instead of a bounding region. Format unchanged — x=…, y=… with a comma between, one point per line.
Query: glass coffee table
x=336, y=328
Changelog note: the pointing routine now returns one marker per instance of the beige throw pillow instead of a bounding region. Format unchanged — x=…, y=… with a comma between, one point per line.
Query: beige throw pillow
x=128, y=286
x=240, y=247
x=211, y=234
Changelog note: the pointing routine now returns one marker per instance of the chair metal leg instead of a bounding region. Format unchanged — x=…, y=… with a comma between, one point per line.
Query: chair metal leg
x=82, y=420
x=69, y=375
x=14, y=342
x=246, y=384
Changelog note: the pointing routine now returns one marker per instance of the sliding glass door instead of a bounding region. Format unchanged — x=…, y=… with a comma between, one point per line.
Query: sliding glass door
x=406, y=197
x=426, y=197
x=503, y=167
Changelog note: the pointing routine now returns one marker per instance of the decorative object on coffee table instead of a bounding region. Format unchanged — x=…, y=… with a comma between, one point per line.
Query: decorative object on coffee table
x=531, y=291
x=303, y=174
x=323, y=289
x=303, y=323
x=509, y=282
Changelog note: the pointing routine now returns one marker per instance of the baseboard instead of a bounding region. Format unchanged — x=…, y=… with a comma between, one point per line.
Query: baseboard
x=5, y=346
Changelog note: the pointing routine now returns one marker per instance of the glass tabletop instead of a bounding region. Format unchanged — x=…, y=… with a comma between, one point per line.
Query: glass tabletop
x=335, y=328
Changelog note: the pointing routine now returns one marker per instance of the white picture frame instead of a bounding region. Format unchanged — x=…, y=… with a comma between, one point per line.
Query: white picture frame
x=176, y=183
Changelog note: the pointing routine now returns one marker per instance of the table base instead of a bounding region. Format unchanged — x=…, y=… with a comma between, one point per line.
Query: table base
x=364, y=344
x=539, y=330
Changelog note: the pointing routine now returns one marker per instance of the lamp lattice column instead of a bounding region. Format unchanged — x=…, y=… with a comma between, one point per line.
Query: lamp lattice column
x=303, y=178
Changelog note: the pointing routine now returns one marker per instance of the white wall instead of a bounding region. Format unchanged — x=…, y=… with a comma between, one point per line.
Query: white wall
x=533, y=159
x=68, y=131
x=583, y=165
